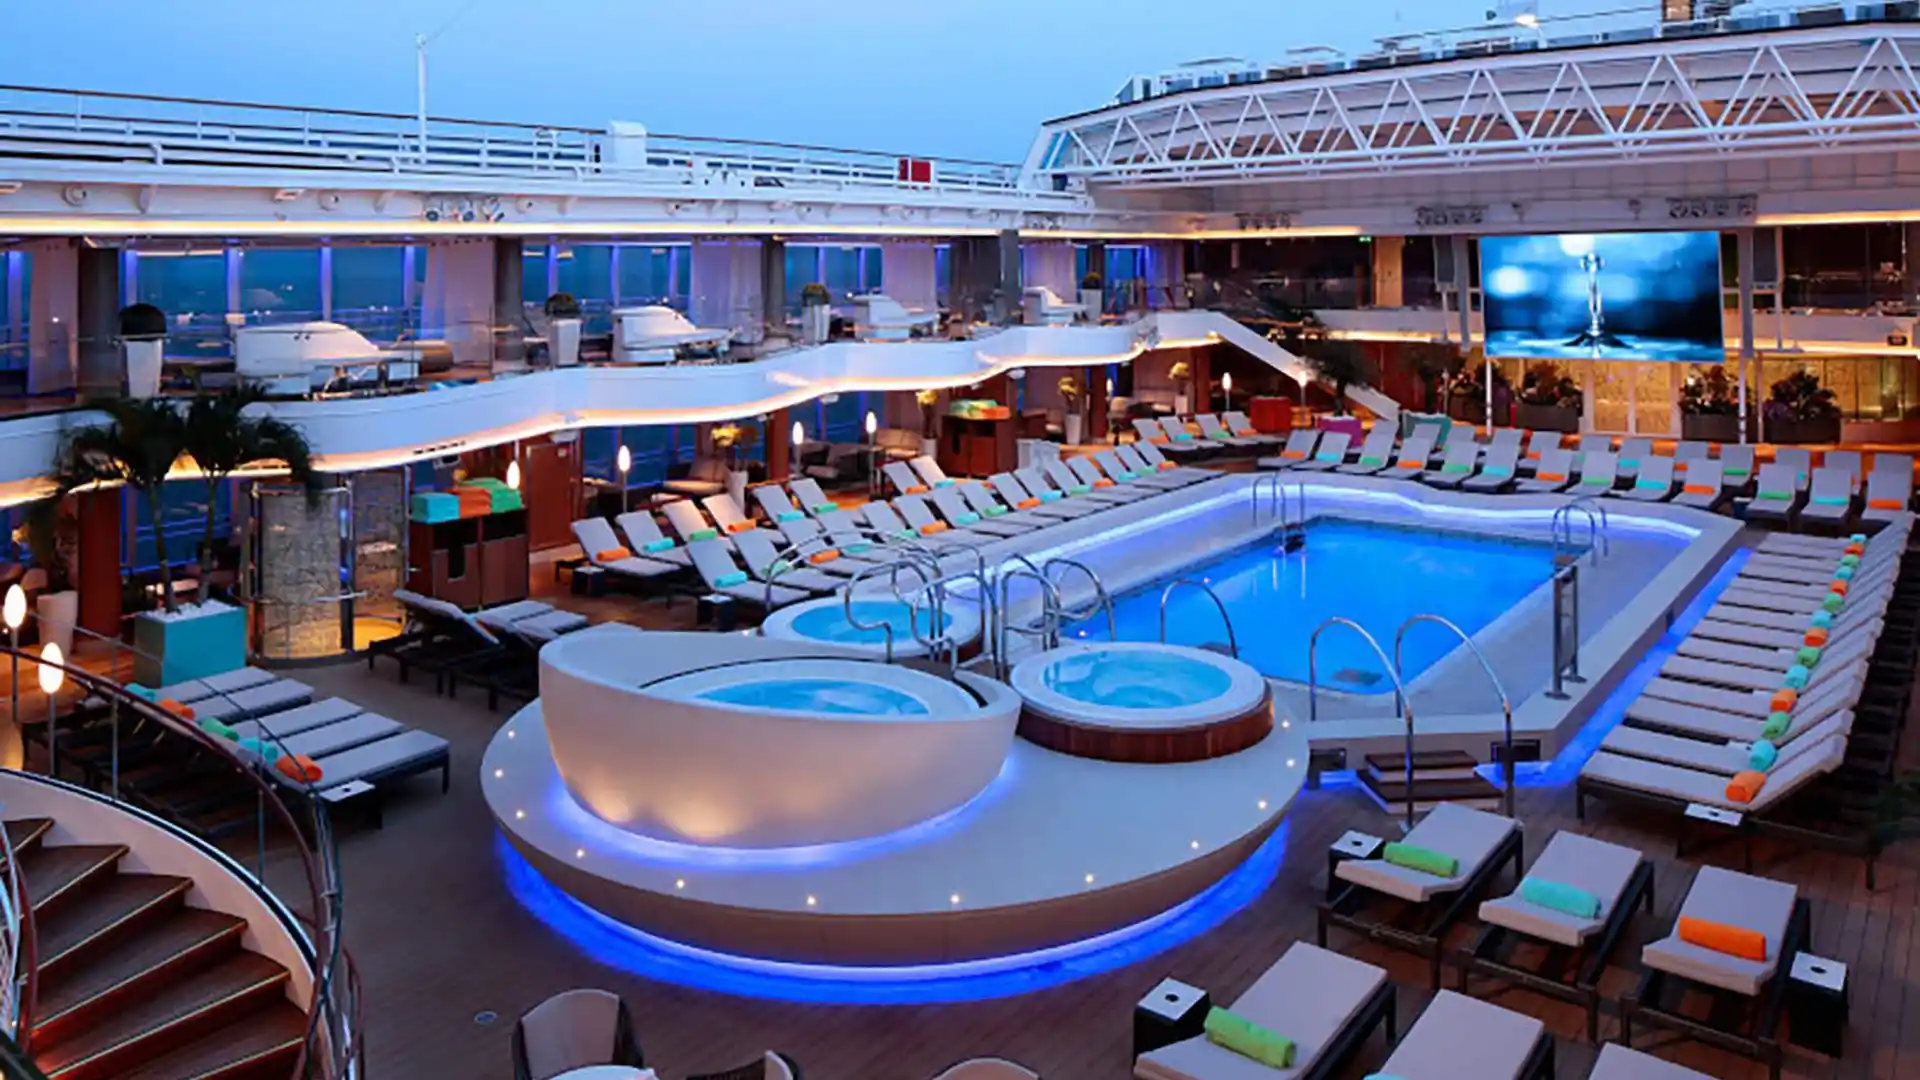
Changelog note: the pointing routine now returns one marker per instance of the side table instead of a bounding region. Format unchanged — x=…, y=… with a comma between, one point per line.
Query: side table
x=1351, y=845
x=1817, y=1003
x=1171, y=1012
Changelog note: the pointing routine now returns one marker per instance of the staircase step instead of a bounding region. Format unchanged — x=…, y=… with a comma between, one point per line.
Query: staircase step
x=185, y=941
x=57, y=875
x=24, y=834
x=156, y=1024
x=1423, y=760
x=1476, y=793
x=107, y=915
x=259, y=1047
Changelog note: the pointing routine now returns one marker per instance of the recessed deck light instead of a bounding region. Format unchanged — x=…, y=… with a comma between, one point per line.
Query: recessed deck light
x=580, y=853
x=1089, y=879
x=1263, y=804
x=811, y=901
x=680, y=883
x=954, y=899
x=498, y=773
x=519, y=815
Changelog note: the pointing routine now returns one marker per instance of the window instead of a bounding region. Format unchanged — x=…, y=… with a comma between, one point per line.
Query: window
x=646, y=275
x=840, y=271
x=191, y=288
x=280, y=285
x=370, y=290
x=183, y=519
x=845, y=420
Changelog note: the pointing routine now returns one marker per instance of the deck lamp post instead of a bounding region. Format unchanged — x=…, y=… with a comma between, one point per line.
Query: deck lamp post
x=513, y=474
x=51, y=677
x=14, y=612
x=624, y=462
x=1226, y=391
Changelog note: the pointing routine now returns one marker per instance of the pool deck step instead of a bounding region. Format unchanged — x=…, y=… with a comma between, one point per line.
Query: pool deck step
x=1427, y=765
x=1388, y=788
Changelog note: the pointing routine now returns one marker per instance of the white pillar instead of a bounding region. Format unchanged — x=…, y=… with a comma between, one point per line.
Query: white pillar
x=52, y=362
x=457, y=301
x=1743, y=244
x=907, y=274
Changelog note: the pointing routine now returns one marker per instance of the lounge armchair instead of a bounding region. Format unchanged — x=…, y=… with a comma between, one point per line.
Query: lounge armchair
x=714, y=563
x=1497, y=472
x=1331, y=454
x=1776, y=496
x=1736, y=468
x=1577, y=946
x=1774, y=912
x=577, y=1029
x=1539, y=445
x=645, y=539
x=1238, y=423
x=1043, y=307
x=1376, y=452
x=1211, y=428
x=1653, y=481
x=705, y=476
x=1327, y=1004
x=1599, y=470
x=1889, y=496
x=1551, y=474
x=1428, y=903
x=1634, y=455
x=604, y=550
x=1829, y=499
x=1300, y=446
x=878, y=317
x=1704, y=487
x=1460, y=1037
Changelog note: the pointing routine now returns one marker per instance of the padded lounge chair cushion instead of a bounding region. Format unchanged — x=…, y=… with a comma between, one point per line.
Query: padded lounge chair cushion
x=295, y=721
x=270, y=697
x=1723, y=896
x=405, y=752
x=1460, y=1038
x=1621, y=1063
x=1582, y=862
x=1309, y=996
x=1467, y=835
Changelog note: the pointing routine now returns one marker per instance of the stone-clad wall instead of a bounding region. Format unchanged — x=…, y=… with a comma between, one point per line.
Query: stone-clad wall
x=299, y=561
x=379, y=540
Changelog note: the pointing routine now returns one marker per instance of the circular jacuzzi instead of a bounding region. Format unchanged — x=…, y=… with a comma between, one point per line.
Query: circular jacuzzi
x=853, y=690
x=825, y=621
x=1130, y=701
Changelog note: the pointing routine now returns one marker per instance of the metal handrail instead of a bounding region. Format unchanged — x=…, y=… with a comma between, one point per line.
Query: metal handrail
x=1276, y=483
x=1048, y=629
x=1506, y=704
x=1597, y=527
x=1102, y=600
x=1402, y=703
x=22, y=942
x=1233, y=643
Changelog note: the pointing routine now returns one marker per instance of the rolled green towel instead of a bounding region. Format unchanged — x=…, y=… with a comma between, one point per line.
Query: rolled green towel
x=825, y=508
x=1775, y=496
x=785, y=516
x=1833, y=603
x=1560, y=897
x=1079, y=489
x=995, y=510
x=1849, y=560
x=705, y=534
x=1776, y=725
x=1248, y=1039
x=1762, y=757
x=1455, y=467
x=1796, y=678
x=654, y=547
x=967, y=519
x=1426, y=860
x=728, y=581
x=1808, y=656
x=214, y=727
x=906, y=533
x=1371, y=461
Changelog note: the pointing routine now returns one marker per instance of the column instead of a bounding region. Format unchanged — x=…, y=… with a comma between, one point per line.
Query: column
x=773, y=287
x=725, y=288
x=1007, y=288
x=779, y=435
x=978, y=272
x=1200, y=362
x=1049, y=264
x=1388, y=271
x=97, y=314
x=907, y=274
x=1094, y=379
x=1462, y=290
x=1743, y=244
x=509, y=299
x=97, y=575
x=53, y=312
x=456, y=303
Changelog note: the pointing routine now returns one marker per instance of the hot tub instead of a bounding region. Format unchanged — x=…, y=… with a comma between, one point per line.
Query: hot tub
x=1130, y=701
x=838, y=688
x=825, y=621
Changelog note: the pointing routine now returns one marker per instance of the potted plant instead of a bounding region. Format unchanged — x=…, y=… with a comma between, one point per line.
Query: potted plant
x=563, y=330
x=816, y=314
x=222, y=439
x=1072, y=421
x=1709, y=409
x=1090, y=296
x=1342, y=365
x=1433, y=365
x=1549, y=400
x=53, y=538
x=1800, y=410
x=143, y=341
x=730, y=439
x=929, y=400
x=1181, y=376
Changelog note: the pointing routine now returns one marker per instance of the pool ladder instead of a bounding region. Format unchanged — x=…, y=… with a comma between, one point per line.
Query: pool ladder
x=1290, y=528
x=1403, y=702
x=1598, y=542
x=1054, y=612
x=1233, y=643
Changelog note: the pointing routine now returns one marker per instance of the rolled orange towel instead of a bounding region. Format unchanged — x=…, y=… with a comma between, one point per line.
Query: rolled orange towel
x=1784, y=701
x=738, y=527
x=1158, y=440
x=1856, y=549
x=917, y=489
x=826, y=556
x=1165, y=465
x=936, y=527
x=168, y=705
x=1816, y=637
x=1744, y=786
x=1553, y=477
x=1836, y=585
x=1697, y=489
x=612, y=554
x=1246, y=432
x=1721, y=938
x=298, y=767
x=1027, y=503
x=1292, y=455
x=1103, y=482
x=1881, y=504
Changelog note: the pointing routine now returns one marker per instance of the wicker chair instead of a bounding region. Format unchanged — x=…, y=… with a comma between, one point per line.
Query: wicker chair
x=573, y=1030
x=772, y=1065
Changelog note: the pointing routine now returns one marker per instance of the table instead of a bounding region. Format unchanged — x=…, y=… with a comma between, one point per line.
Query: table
x=717, y=610
x=589, y=581
x=1171, y=1012
x=1352, y=844
x=1817, y=1003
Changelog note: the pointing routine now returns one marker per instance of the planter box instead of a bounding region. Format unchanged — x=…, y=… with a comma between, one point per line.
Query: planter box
x=193, y=643
x=1701, y=427
x=1802, y=431
x=1547, y=418
x=1471, y=410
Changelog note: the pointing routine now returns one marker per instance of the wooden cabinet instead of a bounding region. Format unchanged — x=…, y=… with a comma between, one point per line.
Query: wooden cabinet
x=971, y=447
x=470, y=562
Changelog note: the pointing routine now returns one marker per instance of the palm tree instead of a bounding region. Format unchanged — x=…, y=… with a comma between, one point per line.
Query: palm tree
x=137, y=447
x=223, y=439
x=1342, y=364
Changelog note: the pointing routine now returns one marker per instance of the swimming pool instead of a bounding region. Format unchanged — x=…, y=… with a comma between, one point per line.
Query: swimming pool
x=1376, y=575
x=840, y=690
x=837, y=696
x=825, y=620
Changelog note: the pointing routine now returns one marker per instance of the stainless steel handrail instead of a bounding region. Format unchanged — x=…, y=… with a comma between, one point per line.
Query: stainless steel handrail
x=1597, y=526
x=1233, y=643
x=1102, y=599
x=1047, y=630
x=1506, y=704
x=1401, y=702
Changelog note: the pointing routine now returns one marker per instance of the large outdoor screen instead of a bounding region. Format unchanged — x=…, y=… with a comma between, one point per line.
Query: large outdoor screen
x=1604, y=296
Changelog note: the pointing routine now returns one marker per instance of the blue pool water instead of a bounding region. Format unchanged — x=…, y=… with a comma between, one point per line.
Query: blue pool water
x=830, y=623
x=1376, y=575
x=839, y=696
x=1135, y=679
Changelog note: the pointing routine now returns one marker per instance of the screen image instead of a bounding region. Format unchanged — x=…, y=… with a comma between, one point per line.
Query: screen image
x=1604, y=296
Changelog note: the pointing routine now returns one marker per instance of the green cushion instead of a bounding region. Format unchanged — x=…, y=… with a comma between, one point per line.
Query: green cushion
x=1597, y=481
x=1733, y=471
x=1560, y=897
x=1240, y=1035
x=705, y=534
x=728, y=581
x=1414, y=857
x=1777, y=725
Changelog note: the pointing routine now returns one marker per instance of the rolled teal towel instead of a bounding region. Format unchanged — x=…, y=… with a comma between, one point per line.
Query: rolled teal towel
x=1230, y=1031
x=1650, y=485
x=825, y=508
x=1831, y=500
x=1849, y=561
x=1184, y=436
x=1833, y=603
x=266, y=751
x=1845, y=573
x=994, y=511
x=1809, y=656
x=1128, y=474
x=1381, y=1076
x=1079, y=489
x=854, y=549
x=1629, y=463
x=142, y=692
x=665, y=543
x=1858, y=538
x=1050, y=496
x=728, y=581
x=788, y=515
x=1414, y=857
x=705, y=534
x=907, y=533
x=1777, y=725
x=1497, y=470
x=1560, y=897
x=1796, y=678
x=1761, y=758
x=1823, y=619
x=943, y=483
x=967, y=519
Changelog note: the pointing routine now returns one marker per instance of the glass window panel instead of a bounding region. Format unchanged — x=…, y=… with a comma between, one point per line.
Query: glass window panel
x=644, y=275
x=280, y=284
x=845, y=419
x=586, y=271
x=943, y=274
x=192, y=290
x=803, y=269
x=1610, y=395
x=1654, y=396
x=842, y=271
x=370, y=290
x=183, y=519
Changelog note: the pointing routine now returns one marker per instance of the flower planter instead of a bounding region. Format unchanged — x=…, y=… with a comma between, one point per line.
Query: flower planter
x=1093, y=302
x=145, y=358
x=1708, y=427
x=1802, y=431
x=563, y=342
x=197, y=641
x=57, y=613
x=1071, y=428
x=1547, y=418
x=816, y=320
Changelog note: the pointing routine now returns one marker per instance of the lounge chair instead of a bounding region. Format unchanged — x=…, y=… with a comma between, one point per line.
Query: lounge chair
x=1508, y=438
x=1183, y=448
x=1599, y=471
x=1460, y=1037
x=604, y=550
x=1497, y=472
x=1042, y=307
x=1414, y=455
x=1539, y=445
x=1676, y=786
x=1300, y=446
x=729, y=515
x=1551, y=474
x=774, y=500
x=1776, y=495
x=1068, y=479
x=645, y=539
x=1689, y=453
x=1145, y=458
x=902, y=477
x=1736, y=468
x=1833, y=664
x=1703, y=488
x=1086, y=472
x=1046, y=503
x=1577, y=946
x=1618, y=1062
x=1800, y=460
x=1889, y=496
x=1634, y=455
x=1177, y=435
x=1238, y=423
x=953, y=508
x=1721, y=755
x=1331, y=454
x=1829, y=498
x=531, y=619
x=1327, y=1004
x=765, y=561
x=981, y=500
x=1478, y=842
x=1211, y=428
x=1847, y=461
x=242, y=694
x=438, y=637
x=930, y=472
x=1457, y=435
x=1455, y=469
x=298, y=719
x=1121, y=473
x=1653, y=482
x=687, y=521
x=885, y=520
x=1752, y=702
x=1376, y=452
x=405, y=753
x=807, y=493
x=715, y=565
x=1755, y=906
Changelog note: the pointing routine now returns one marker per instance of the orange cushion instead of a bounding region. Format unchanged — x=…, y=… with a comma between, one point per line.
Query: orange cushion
x=1816, y=637
x=1721, y=938
x=1246, y=432
x=1553, y=477
x=1885, y=504
x=1103, y=482
x=828, y=555
x=936, y=527
x=612, y=554
x=1027, y=503
x=1158, y=440
x=1697, y=489
x=917, y=489
x=1838, y=586
x=1165, y=465
x=1408, y=463
x=738, y=527
x=298, y=767
x=1293, y=454
x=1784, y=700
x=184, y=712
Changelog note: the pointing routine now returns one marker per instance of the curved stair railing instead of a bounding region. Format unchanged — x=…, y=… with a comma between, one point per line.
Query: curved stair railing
x=1402, y=704
x=1233, y=643
x=1506, y=704
x=330, y=1049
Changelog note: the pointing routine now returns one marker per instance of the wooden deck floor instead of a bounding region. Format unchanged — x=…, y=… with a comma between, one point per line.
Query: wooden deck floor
x=439, y=942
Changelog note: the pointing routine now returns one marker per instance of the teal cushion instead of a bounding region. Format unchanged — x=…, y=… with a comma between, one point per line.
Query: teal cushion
x=1630, y=463
x=1858, y=538
x=1051, y=496
x=825, y=508
x=1414, y=857
x=907, y=533
x=1762, y=757
x=1560, y=897
x=1650, y=485
x=855, y=549
x=785, y=516
x=1330, y=455
x=665, y=543
x=1127, y=474
x=967, y=519
x=1240, y=1035
x=705, y=534
x=1796, y=678
x=728, y=581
